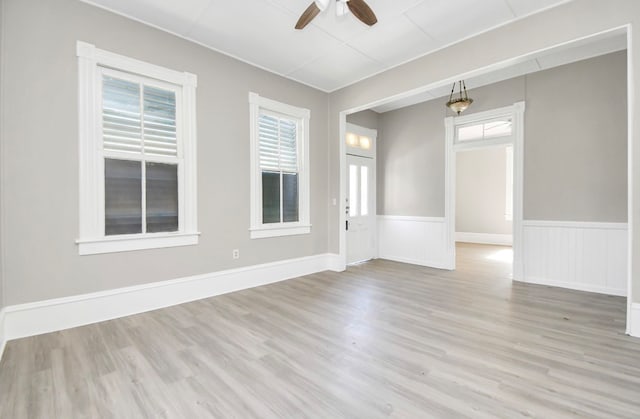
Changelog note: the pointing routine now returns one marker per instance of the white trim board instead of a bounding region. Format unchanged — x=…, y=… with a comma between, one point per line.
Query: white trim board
x=63, y=313
x=634, y=326
x=415, y=240
x=484, y=238
x=3, y=340
x=575, y=224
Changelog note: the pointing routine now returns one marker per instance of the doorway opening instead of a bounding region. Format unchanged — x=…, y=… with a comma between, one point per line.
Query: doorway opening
x=360, y=201
x=484, y=159
x=484, y=209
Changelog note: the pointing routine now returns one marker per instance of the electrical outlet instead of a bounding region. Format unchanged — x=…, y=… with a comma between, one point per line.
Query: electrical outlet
x=236, y=253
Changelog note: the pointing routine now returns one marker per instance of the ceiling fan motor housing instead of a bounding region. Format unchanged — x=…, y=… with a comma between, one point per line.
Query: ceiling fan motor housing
x=341, y=7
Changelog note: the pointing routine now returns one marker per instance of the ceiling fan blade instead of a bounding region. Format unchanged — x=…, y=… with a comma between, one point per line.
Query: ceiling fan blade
x=362, y=11
x=308, y=15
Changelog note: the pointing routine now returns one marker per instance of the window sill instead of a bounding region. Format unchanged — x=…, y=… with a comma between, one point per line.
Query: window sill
x=135, y=242
x=264, y=232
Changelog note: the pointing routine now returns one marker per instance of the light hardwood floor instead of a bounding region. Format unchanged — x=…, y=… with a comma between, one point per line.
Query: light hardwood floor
x=382, y=339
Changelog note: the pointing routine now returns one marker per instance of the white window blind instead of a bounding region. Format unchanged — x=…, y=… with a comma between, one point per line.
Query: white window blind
x=138, y=119
x=277, y=137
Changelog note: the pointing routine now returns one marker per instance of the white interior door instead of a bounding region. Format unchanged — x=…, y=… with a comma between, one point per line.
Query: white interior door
x=360, y=209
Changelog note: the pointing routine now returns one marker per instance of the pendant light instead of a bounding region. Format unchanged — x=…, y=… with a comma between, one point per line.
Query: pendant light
x=461, y=103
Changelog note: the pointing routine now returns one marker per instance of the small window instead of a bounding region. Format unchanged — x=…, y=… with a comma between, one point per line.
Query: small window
x=364, y=190
x=353, y=190
x=279, y=182
x=485, y=130
x=137, y=168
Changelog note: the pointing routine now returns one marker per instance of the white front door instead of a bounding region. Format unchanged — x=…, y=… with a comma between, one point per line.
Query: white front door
x=360, y=207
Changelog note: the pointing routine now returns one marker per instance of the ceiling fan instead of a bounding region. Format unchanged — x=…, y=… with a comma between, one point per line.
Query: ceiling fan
x=359, y=8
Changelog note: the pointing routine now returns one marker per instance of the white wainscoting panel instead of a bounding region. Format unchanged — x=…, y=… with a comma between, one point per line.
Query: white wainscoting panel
x=484, y=238
x=62, y=313
x=416, y=240
x=634, y=327
x=586, y=256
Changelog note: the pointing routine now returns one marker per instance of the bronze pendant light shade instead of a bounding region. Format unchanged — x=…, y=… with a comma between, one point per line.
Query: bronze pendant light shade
x=461, y=103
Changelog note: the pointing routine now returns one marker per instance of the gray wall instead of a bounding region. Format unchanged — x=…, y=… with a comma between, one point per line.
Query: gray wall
x=40, y=155
x=367, y=118
x=575, y=165
x=410, y=161
x=576, y=152
x=481, y=191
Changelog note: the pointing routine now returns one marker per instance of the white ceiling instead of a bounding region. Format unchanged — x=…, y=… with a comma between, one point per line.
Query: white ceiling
x=331, y=52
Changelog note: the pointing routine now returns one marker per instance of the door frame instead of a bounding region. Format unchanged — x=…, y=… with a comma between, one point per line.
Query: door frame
x=516, y=140
x=371, y=154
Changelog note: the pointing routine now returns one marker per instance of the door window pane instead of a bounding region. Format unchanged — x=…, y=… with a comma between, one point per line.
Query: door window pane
x=270, y=197
x=290, y=197
x=122, y=197
x=162, y=197
x=353, y=190
x=364, y=190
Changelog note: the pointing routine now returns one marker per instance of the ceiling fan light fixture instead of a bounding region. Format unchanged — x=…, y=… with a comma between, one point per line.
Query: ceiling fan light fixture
x=359, y=8
x=461, y=103
x=341, y=8
x=322, y=4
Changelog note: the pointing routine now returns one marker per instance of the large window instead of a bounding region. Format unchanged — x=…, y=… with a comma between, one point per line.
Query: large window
x=137, y=142
x=279, y=162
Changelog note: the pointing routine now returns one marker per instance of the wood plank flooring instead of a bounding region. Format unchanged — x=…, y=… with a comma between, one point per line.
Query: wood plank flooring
x=382, y=339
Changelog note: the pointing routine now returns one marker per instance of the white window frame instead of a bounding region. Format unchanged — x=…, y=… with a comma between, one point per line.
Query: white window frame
x=91, y=63
x=257, y=228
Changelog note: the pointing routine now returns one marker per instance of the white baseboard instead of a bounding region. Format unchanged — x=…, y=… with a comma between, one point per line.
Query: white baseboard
x=63, y=313
x=484, y=238
x=3, y=340
x=439, y=264
x=586, y=256
x=634, y=327
x=336, y=263
x=576, y=286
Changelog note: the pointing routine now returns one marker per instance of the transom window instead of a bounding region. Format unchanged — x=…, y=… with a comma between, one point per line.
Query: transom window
x=137, y=154
x=279, y=180
x=496, y=128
